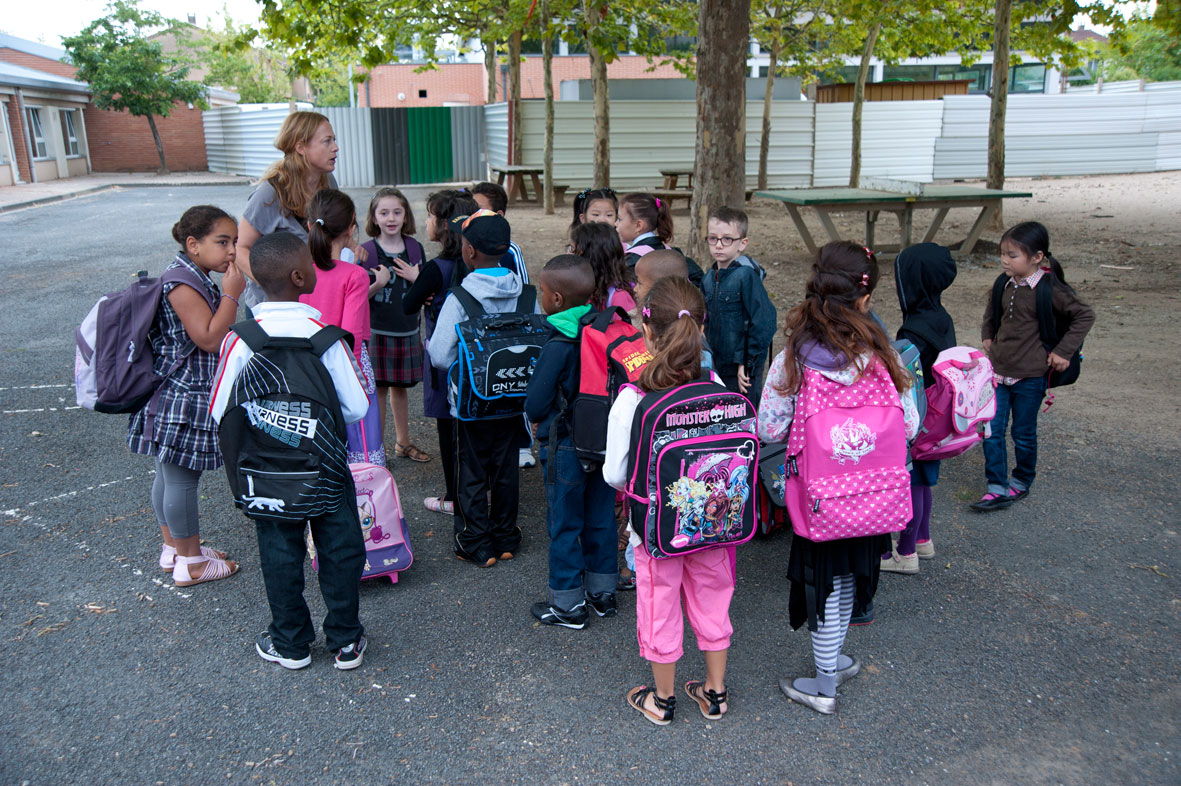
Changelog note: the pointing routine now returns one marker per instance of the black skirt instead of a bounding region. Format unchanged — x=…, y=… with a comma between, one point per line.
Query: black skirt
x=812, y=566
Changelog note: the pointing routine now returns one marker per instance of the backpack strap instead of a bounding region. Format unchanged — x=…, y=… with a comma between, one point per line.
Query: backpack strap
x=527, y=300
x=470, y=304
x=249, y=331
x=326, y=337
x=1044, y=297
x=414, y=250
x=602, y=320
x=998, y=290
x=181, y=275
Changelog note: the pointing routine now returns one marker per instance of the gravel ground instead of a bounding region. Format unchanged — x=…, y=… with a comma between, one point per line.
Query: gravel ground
x=1038, y=647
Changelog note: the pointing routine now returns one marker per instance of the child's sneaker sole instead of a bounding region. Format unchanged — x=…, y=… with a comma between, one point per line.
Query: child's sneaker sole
x=266, y=650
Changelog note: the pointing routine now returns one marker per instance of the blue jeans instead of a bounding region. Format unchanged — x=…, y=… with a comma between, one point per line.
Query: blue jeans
x=1023, y=399
x=580, y=517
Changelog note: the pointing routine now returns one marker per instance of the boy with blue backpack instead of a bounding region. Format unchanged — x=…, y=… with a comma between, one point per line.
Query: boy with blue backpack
x=284, y=389
x=580, y=514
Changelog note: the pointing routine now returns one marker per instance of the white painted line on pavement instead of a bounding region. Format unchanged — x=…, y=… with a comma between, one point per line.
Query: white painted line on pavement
x=68, y=494
x=34, y=387
x=39, y=409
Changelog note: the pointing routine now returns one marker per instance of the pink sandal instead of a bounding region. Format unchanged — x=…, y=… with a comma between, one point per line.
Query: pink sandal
x=215, y=569
x=168, y=556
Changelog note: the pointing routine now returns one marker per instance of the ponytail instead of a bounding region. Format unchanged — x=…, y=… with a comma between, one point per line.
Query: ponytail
x=330, y=214
x=653, y=211
x=674, y=312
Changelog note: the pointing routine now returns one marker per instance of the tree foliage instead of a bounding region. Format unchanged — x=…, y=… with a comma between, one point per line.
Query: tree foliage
x=256, y=75
x=1150, y=52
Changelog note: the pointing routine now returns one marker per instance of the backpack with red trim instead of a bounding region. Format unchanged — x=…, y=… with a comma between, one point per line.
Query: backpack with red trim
x=611, y=354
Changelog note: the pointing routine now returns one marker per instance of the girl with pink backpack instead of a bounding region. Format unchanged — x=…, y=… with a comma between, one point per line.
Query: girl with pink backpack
x=834, y=395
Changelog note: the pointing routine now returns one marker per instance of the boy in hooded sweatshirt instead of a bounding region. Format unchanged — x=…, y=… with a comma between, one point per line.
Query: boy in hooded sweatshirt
x=921, y=274
x=486, y=478
x=580, y=506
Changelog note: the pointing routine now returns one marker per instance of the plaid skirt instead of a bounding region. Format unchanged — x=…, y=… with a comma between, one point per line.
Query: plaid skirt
x=397, y=360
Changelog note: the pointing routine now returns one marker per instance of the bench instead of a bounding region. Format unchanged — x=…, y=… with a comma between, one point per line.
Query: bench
x=671, y=195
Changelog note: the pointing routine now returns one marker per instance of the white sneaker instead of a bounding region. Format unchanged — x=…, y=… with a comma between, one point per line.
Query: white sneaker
x=925, y=549
x=899, y=563
x=526, y=459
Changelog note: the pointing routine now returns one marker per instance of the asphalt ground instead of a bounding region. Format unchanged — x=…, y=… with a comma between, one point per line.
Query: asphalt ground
x=1039, y=647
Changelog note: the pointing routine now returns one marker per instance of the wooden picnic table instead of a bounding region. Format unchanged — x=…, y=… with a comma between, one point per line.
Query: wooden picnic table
x=672, y=175
x=872, y=202
x=516, y=188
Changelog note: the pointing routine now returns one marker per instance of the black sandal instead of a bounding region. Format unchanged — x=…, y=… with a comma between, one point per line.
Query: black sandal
x=637, y=696
x=710, y=702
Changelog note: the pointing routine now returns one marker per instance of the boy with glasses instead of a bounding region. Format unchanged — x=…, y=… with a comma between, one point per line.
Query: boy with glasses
x=740, y=319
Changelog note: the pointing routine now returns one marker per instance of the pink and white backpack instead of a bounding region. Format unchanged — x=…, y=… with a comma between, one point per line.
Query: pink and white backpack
x=846, y=458
x=961, y=403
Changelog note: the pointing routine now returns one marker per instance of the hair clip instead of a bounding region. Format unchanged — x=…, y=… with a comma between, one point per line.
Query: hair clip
x=868, y=253
x=657, y=201
x=684, y=313
x=320, y=221
x=865, y=280
x=647, y=312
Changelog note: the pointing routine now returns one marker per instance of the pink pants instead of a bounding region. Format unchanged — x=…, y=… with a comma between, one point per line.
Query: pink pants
x=704, y=581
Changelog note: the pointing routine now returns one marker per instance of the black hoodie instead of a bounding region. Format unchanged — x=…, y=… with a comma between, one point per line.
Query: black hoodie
x=921, y=274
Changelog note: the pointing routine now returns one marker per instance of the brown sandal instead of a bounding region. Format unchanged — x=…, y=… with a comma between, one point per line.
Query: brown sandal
x=708, y=701
x=411, y=452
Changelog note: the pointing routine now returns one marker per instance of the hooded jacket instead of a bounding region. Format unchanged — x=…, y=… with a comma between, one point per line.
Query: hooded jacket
x=921, y=274
x=557, y=369
x=497, y=290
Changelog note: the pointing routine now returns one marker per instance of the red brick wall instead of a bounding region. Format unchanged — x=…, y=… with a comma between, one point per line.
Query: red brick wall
x=120, y=142
x=19, y=144
x=27, y=60
x=468, y=82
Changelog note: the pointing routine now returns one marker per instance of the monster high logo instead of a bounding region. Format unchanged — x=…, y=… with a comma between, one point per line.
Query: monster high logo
x=715, y=415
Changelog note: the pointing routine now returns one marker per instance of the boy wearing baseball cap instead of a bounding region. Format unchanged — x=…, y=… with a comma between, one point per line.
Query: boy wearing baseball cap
x=486, y=453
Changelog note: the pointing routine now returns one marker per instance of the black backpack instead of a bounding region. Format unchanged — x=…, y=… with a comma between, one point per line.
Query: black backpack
x=283, y=435
x=1051, y=327
x=496, y=355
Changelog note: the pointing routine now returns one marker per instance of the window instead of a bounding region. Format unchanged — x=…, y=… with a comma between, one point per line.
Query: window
x=70, y=133
x=906, y=73
x=40, y=149
x=422, y=93
x=1030, y=78
x=979, y=75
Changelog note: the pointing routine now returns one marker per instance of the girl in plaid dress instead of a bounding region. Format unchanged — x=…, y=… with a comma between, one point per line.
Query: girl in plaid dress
x=396, y=350
x=175, y=427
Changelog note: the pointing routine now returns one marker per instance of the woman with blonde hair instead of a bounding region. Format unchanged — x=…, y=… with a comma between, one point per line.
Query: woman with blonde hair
x=280, y=202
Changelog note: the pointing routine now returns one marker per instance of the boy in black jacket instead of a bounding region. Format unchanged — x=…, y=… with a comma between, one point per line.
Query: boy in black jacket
x=580, y=506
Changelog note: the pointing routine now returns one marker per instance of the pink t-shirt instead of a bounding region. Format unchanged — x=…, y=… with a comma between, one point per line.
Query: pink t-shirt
x=342, y=298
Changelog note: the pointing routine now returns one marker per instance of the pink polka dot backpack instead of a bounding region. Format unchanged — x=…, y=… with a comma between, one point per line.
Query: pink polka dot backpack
x=846, y=458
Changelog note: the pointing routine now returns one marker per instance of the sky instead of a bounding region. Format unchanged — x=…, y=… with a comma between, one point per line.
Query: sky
x=47, y=21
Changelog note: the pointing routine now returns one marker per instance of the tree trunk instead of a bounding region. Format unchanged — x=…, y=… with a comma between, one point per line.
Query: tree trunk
x=598, y=68
x=514, y=91
x=768, y=99
x=490, y=68
x=163, y=170
x=1000, y=99
x=859, y=101
x=547, y=58
x=720, y=161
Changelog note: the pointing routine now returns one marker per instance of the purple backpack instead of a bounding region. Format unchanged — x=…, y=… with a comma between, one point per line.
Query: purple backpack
x=113, y=363
x=846, y=458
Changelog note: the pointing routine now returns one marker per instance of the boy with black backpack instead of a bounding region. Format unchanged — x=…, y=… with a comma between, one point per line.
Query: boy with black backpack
x=284, y=389
x=580, y=506
x=487, y=476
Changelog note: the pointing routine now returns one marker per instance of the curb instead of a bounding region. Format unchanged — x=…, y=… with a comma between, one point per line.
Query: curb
x=48, y=200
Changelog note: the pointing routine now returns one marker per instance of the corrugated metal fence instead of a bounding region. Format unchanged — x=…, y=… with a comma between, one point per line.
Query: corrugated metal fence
x=240, y=140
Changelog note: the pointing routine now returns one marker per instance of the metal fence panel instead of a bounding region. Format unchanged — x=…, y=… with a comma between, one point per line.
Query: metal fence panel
x=391, y=146
x=430, y=144
x=468, y=154
x=1126, y=86
x=245, y=136
x=354, y=135
x=897, y=141
x=496, y=133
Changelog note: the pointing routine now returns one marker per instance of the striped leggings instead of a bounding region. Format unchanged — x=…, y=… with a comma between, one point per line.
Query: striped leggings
x=829, y=636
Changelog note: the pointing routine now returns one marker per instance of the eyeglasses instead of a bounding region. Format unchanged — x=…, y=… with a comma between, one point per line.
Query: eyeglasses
x=721, y=240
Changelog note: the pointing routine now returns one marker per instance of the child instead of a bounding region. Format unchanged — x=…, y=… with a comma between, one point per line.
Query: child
x=921, y=274
x=428, y=284
x=833, y=333
x=282, y=266
x=741, y=317
x=490, y=196
x=594, y=204
x=397, y=337
x=342, y=298
x=645, y=223
x=486, y=481
x=1021, y=361
x=673, y=314
x=580, y=515
x=599, y=244
x=174, y=427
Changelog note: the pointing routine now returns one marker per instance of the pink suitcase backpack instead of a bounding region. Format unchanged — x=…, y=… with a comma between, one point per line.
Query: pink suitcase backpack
x=846, y=458
x=961, y=403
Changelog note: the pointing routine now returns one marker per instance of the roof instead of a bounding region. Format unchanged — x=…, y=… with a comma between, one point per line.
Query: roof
x=1081, y=34
x=19, y=76
x=31, y=47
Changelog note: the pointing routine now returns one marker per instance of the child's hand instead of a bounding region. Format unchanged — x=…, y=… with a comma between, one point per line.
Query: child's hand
x=405, y=270
x=987, y=345
x=233, y=283
x=1057, y=362
x=743, y=380
x=381, y=275
x=359, y=252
